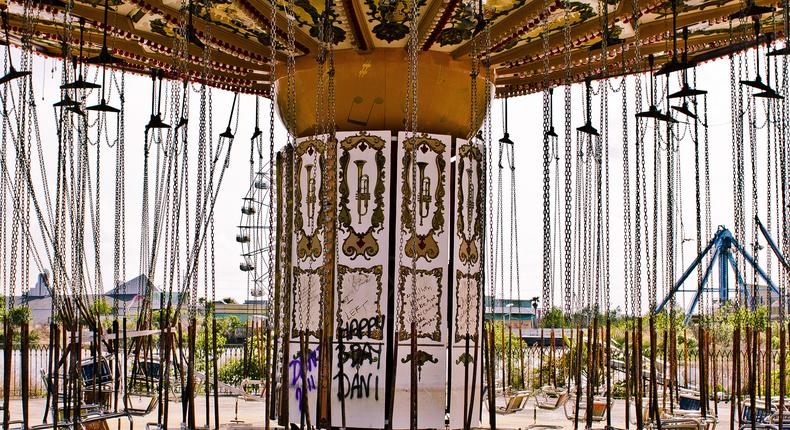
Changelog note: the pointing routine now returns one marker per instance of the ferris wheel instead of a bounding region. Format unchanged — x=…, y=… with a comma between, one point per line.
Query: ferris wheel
x=254, y=235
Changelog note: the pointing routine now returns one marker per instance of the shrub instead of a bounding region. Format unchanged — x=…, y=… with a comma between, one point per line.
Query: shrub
x=232, y=371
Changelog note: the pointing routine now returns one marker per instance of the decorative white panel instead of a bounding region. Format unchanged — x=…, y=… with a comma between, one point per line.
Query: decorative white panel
x=422, y=240
x=308, y=237
x=363, y=220
x=466, y=354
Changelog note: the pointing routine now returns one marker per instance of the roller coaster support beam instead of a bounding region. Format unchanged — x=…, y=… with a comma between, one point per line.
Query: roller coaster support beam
x=724, y=243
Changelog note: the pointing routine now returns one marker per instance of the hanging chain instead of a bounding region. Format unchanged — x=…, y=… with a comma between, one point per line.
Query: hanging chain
x=547, y=245
x=669, y=274
x=606, y=161
x=640, y=208
x=291, y=79
x=736, y=116
x=271, y=240
x=779, y=182
x=754, y=191
x=628, y=269
x=568, y=155
x=652, y=266
x=411, y=128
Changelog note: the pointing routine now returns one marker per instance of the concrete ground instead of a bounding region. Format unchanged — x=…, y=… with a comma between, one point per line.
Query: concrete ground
x=241, y=415
x=534, y=417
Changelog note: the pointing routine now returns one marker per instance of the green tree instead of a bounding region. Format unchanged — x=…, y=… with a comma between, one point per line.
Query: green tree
x=19, y=315
x=232, y=371
x=508, y=347
x=554, y=318
x=101, y=307
x=224, y=326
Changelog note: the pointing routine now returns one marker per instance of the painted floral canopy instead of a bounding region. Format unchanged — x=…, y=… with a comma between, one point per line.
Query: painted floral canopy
x=140, y=32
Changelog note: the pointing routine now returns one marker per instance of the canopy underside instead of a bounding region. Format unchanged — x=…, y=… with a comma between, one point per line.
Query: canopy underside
x=237, y=31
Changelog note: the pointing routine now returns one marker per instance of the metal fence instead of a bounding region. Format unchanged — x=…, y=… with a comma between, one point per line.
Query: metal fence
x=719, y=372
x=39, y=363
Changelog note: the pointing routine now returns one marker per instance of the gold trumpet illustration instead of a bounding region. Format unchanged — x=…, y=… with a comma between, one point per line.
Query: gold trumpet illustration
x=311, y=197
x=363, y=190
x=425, y=191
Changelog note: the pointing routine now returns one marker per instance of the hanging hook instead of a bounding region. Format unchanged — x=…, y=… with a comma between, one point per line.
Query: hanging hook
x=12, y=72
x=588, y=128
x=257, y=132
x=227, y=134
x=506, y=138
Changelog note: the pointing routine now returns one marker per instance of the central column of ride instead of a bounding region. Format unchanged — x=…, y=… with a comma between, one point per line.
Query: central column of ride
x=353, y=239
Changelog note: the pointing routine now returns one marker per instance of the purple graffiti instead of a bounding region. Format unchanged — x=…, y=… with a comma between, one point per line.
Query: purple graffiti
x=296, y=373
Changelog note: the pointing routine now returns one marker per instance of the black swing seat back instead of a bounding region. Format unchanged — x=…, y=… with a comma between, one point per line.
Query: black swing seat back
x=95, y=373
x=760, y=412
x=689, y=401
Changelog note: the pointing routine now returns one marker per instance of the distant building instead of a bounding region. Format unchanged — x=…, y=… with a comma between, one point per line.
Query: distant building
x=39, y=300
x=42, y=288
x=512, y=312
x=131, y=295
x=250, y=310
x=762, y=298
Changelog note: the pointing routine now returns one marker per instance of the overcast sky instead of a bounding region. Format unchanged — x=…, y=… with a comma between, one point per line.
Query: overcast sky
x=525, y=130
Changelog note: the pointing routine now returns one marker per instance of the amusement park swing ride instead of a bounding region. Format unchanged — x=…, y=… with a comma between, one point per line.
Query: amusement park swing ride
x=373, y=230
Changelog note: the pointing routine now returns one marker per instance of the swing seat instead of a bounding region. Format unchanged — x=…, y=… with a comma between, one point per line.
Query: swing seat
x=98, y=421
x=57, y=397
x=775, y=403
x=687, y=423
x=145, y=377
x=13, y=424
x=253, y=383
x=599, y=408
x=143, y=385
x=97, y=373
x=91, y=398
x=773, y=420
x=239, y=392
x=688, y=401
x=549, y=397
x=646, y=409
x=97, y=381
x=48, y=385
x=760, y=412
x=515, y=404
x=94, y=420
x=135, y=409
